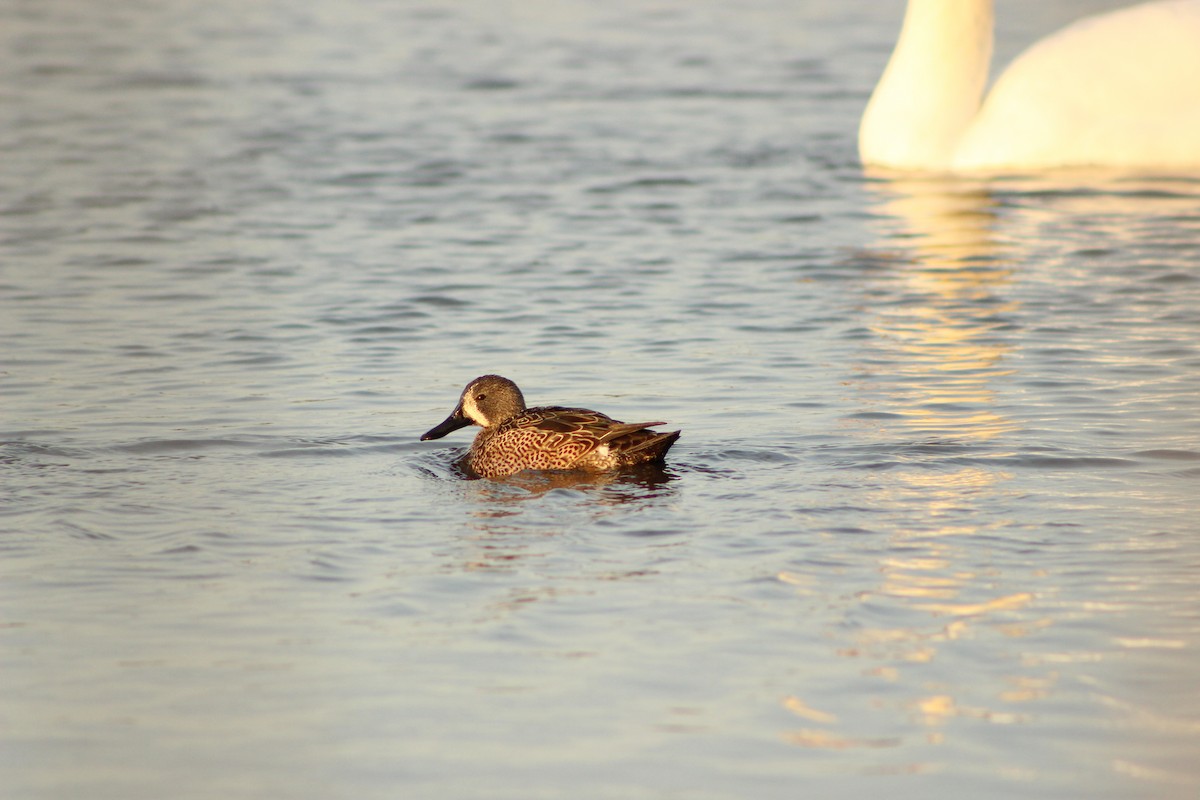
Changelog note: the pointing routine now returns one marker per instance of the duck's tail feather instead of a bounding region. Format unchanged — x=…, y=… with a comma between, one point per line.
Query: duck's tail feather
x=653, y=446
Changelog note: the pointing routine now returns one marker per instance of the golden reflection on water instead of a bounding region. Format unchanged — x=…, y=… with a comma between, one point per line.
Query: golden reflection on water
x=939, y=302
x=934, y=339
x=938, y=347
x=801, y=709
x=930, y=365
x=938, y=344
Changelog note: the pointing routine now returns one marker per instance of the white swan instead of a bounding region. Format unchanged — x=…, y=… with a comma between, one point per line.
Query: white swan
x=1120, y=89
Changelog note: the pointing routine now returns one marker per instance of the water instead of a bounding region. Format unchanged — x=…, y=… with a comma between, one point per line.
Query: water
x=930, y=527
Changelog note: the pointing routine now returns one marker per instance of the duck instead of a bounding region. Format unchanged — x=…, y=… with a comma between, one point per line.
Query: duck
x=516, y=438
x=1119, y=89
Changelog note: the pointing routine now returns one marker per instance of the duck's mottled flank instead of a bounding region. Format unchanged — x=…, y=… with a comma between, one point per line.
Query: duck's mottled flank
x=515, y=438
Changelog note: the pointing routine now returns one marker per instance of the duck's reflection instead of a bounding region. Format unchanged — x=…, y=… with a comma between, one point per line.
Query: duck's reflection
x=614, y=487
x=501, y=533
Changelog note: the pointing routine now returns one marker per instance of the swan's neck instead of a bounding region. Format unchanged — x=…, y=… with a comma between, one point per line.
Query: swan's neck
x=932, y=87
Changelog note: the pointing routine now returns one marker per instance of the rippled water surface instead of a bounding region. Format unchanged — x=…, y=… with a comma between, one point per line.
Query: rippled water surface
x=931, y=527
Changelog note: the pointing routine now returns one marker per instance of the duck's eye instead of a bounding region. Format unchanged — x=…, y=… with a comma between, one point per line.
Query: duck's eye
x=480, y=396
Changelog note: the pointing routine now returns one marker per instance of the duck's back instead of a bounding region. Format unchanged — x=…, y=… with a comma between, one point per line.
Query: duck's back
x=555, y=437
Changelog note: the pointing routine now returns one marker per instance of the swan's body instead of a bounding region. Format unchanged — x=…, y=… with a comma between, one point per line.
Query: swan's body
x=1120, y=89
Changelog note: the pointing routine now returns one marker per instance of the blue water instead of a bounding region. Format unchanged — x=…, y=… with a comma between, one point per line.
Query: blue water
x=931, y=526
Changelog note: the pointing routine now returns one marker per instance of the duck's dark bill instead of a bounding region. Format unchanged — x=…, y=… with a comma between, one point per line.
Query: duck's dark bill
x=449, y=425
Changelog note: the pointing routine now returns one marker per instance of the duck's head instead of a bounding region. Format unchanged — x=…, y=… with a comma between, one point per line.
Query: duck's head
x=486, y=401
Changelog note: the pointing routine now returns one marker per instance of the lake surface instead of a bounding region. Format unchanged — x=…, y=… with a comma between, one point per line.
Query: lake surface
x=931, y=526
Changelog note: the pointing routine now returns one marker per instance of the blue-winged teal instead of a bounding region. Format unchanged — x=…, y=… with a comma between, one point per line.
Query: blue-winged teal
x=516, y=438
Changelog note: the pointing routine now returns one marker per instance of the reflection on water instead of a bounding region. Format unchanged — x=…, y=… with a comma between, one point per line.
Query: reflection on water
x=588, y=498
x=630, y=484
x=939, y=314
x=951, y=338
x=939, y=334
